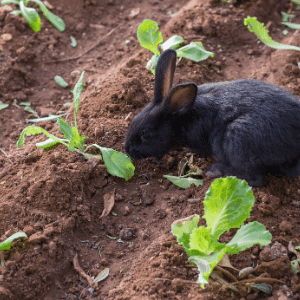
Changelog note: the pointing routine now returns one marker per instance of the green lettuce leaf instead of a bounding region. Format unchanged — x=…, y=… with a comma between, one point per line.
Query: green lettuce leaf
x=183, y=228
x=117, y=163
x=149, y=36
x=56, y=21
x=247, y=236
x=34, y=130
x=172, y=43
x=228, y=203
x=31, y=16
x=194, y=51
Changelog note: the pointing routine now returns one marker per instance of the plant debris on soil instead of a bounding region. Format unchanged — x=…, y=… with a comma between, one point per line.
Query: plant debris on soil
x=57, y=197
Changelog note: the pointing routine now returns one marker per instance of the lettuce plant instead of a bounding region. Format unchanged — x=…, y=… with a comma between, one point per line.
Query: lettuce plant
x=228, y=203
x=117, y=163
x=150, y=38
x=31, y=15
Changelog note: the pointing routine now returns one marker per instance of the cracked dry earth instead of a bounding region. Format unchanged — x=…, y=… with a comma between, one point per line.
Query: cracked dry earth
x=57, y=197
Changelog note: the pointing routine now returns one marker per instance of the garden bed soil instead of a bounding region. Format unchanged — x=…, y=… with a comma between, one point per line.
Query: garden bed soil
x=56, y=196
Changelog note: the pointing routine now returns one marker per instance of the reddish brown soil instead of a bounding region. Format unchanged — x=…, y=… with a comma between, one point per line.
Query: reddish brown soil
x=56, y=196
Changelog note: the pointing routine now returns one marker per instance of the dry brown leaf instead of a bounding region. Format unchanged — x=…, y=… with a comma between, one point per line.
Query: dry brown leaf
x=225, y=262
x=109, y=202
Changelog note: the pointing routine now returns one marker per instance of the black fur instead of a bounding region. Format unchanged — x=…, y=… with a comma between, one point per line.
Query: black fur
x=251, y=127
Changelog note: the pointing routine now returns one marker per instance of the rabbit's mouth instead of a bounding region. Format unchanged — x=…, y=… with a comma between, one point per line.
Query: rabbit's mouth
x=135, y=153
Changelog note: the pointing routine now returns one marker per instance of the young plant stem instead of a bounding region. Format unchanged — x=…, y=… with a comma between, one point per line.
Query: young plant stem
x=6, y=156
x=215, y=276
x=258, y=280
x=228, y=274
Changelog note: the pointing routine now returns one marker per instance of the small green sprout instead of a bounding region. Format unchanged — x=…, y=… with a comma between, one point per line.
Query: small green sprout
x=31, y=15
x=185, y=181
x=117, y=163
x=28, y=108
x=228, y=203
x=150, y=38
x=73, y=42
x=60, y=81
x=285, y=32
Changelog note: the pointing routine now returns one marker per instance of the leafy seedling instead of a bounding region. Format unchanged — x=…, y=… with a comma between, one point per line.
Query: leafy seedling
x=228, y=203
x=60, y=81
x=28, y=108
x=150, y=38
x=31, y=15
x=185, y=181
x=263, y=34
x=3, y=105
x=5, y=245
x=117, y=163
x=295, y=264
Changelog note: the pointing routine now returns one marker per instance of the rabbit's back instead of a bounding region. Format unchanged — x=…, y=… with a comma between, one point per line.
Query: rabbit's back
x=254, y=120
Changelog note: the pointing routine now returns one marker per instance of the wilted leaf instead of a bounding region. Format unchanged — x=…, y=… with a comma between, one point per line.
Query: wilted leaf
x=183, y=182
x=109, y=202
x=101, y=276
x=152, y=62
x=225, y=262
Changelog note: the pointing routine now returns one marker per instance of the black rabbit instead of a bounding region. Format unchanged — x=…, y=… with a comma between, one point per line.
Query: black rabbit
x=251, y=127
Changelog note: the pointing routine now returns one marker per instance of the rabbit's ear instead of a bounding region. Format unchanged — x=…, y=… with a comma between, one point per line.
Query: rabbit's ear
x=164, y=74
x=182, y=97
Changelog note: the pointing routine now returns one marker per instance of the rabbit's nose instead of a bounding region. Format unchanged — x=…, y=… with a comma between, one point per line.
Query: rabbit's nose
x=128, y=149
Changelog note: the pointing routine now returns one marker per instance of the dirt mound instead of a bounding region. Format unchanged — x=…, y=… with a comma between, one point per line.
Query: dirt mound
x=57, y=197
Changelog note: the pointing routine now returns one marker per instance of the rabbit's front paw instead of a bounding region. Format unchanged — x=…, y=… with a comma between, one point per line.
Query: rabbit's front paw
x=258, y=180
x=215, y=171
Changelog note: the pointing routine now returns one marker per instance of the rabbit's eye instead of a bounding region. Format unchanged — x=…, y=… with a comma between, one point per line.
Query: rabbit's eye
x=146, y=136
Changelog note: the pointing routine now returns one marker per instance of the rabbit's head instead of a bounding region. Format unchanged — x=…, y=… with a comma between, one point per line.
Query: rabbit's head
x=157, y=129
